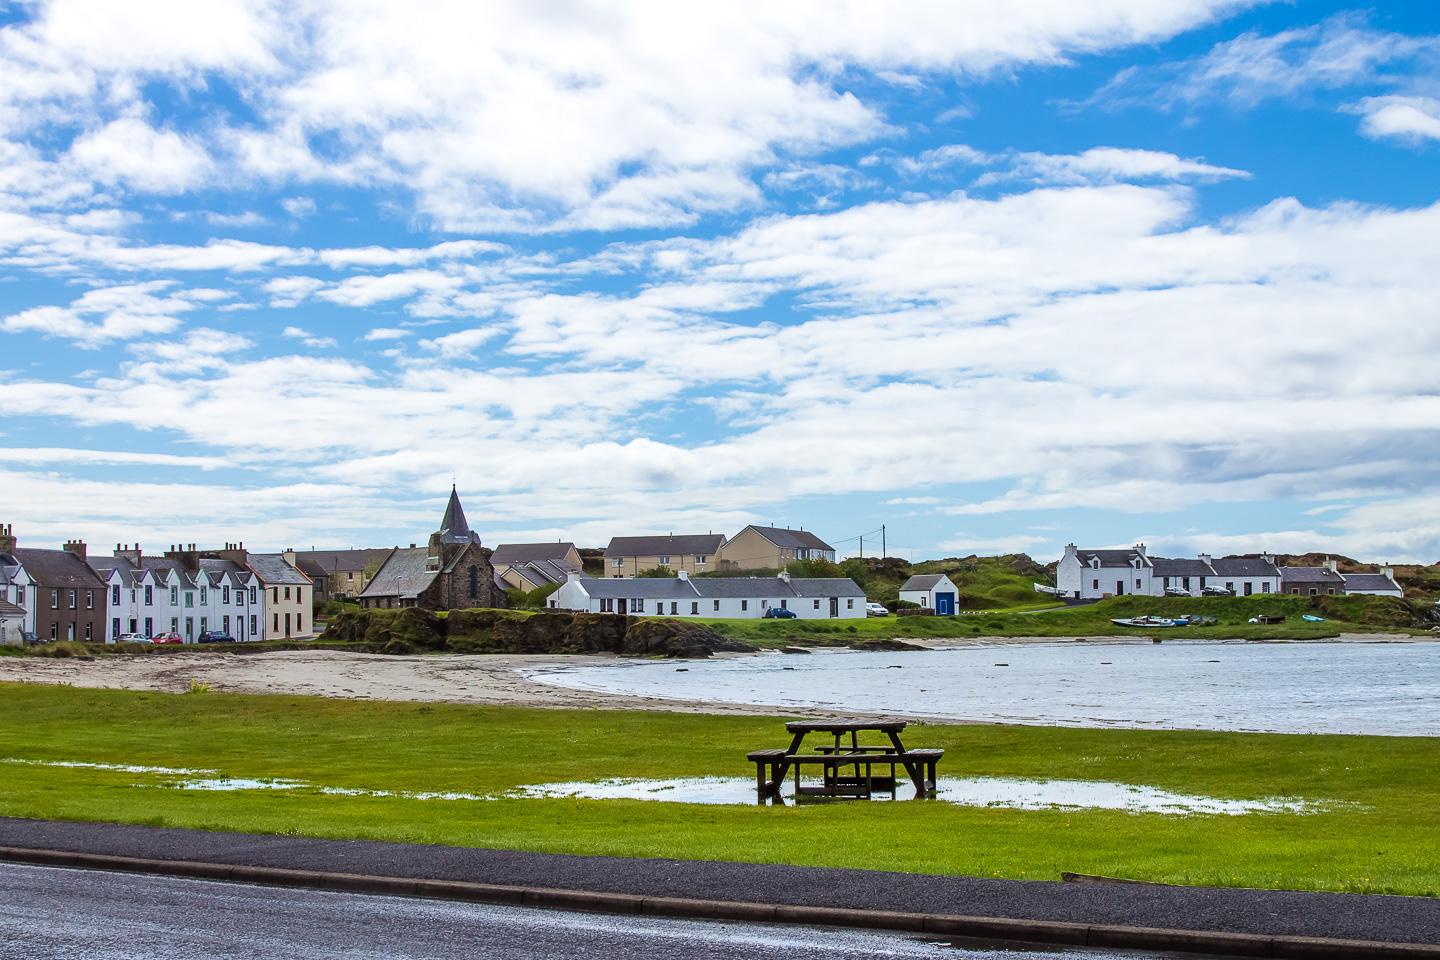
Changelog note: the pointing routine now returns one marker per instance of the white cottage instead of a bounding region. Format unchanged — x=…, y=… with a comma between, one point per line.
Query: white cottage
x=12, y=624
x=933, y=591
x=743, y=598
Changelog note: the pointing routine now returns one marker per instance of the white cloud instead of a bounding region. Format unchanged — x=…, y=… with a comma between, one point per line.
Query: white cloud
x=386, y=333
x=299, y=207
x=1415, y=119
x=516, y=116
x=111, y=313
x=247, y=219
x=131, y=152
x=1109, y=165
x=307, y=338
x=291, y=291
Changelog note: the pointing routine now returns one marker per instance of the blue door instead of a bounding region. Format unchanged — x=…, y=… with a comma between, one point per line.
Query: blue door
x=945, y=604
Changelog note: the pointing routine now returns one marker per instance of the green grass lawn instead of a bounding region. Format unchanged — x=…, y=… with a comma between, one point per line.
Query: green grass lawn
x=1379, y=836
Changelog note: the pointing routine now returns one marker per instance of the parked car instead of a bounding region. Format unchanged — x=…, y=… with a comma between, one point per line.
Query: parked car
x=216, y=636
x=873, y=609
x=132, y=638
x=779, y=613
x=169, y=636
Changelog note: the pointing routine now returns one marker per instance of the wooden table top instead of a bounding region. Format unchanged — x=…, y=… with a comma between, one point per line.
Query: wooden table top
x=844, y=726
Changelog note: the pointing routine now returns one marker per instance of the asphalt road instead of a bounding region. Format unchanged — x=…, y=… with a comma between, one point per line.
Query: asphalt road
x=47, y=913
x=1276, y=912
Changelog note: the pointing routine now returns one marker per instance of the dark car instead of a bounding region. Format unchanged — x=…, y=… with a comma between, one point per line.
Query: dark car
x=779, y=613
x=216, y=636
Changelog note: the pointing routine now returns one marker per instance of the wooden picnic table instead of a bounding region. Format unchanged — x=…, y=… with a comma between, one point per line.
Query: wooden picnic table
x=772, y=766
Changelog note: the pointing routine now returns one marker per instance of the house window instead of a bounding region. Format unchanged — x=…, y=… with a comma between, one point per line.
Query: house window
x=275, y=598
x=1313, y=591
x=54, y=631
x=149, y=626
x=189, y=599
x=817, y=604
x=277, y=623
x=89, y=631
x=115, y=627
x=299, y=622
x=204, y=624
x=203, y=601
x=701, y=558
x=252, y=594
x=664, y=561
x=1231, y=587
x=850, y=604
x=784, y=604
x=1185, y=584
x=674, y=608
x=115, y=595
x=695, y=608
x=1137, y=583
x=1249, y=588
x=637, y=606
x=254, y=624
x=226, y=621
x=224, y=594
x=717, y=606
x=149, y=596
x=287, y=593
x=72, y=599
x=1264, y=588
x=744, y=605
x=619, y=562
x=1330, y=590
x=54, y=599
x=174, y=596
x=1094, y=584
x=174, y=624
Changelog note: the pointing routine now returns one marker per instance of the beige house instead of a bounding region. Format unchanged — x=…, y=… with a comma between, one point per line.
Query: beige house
x=529, y=566
x=692, y=553
x=289, y=596
x=771, y=548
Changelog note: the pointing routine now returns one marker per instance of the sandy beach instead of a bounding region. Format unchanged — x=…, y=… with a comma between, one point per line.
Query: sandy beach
x=492, y=679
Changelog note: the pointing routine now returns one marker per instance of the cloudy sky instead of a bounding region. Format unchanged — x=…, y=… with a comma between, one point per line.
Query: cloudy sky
x=1165, y=270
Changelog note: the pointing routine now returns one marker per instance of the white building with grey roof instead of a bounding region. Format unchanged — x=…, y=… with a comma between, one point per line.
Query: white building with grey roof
x=1093, y=574
x=738, y=598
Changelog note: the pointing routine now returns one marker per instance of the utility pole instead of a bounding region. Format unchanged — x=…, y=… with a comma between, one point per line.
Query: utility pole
x=883, y=552
x=862, y=546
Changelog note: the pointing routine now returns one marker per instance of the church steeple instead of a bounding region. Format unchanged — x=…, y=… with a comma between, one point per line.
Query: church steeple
x=454, y=528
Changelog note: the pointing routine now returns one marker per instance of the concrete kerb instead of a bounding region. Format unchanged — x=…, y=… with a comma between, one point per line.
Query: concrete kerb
x=990, y=929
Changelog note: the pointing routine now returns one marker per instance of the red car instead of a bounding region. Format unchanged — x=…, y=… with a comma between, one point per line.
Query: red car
x=167, y=638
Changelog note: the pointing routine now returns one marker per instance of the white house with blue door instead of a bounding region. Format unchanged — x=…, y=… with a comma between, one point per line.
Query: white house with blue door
x=933, y=591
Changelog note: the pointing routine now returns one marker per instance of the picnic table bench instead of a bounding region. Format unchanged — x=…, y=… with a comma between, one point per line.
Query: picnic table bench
x=847, y=769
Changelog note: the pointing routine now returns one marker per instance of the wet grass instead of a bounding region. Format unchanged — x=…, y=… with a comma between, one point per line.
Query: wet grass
x=1378, y=837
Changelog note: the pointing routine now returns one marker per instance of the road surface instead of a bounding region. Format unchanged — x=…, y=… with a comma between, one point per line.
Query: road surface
x=47, y=913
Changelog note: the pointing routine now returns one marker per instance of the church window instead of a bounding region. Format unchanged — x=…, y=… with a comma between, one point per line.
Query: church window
x=474, y=583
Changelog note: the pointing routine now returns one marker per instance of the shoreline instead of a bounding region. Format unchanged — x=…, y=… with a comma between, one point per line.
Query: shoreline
x=486, y=679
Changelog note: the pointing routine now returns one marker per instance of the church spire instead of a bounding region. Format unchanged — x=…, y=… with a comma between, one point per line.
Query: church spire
x=454, y=528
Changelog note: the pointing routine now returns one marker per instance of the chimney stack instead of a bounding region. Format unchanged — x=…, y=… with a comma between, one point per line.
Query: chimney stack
x=76, y=548
x=1331, y=564
x=7, y=538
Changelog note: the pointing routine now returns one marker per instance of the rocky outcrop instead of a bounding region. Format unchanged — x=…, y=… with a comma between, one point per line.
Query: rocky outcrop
x=413, y=630
x=884, y=644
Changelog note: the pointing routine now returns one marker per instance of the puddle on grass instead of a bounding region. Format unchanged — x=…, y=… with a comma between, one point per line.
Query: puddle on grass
x=1004, y=792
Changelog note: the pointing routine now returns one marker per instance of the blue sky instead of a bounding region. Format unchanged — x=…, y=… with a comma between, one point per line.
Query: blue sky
x=1160, y=270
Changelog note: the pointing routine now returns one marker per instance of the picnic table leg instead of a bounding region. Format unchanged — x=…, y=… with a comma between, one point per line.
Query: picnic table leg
x=914, y=769
x=762, y=786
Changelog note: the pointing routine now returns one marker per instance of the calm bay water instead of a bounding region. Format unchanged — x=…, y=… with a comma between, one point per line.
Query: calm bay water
x=1377, y=688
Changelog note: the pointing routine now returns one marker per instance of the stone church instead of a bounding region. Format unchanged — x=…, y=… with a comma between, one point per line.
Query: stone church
x=452, y=572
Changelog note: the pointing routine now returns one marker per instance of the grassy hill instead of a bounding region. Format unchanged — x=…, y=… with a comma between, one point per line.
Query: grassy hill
x=985, y=583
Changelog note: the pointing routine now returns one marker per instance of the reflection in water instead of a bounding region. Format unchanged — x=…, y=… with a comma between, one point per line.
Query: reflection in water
x=1375, y=688
x=1007, y=792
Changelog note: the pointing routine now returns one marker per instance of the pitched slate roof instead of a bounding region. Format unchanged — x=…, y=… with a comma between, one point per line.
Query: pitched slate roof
x=1111, y=558
x=1369, y=581
x=542, y=572
x=922, y=581
x=1309, y=575
x=825, y=587
x=403, y=574
x=326, y=562
x=1244, y=567
x=10, y=610
x=271, y=568
x=511, y=553
x=784, y=537
x=58, y=569
x=1181, y=567
x=670, y=546
x=740, y=588
x=639, y=588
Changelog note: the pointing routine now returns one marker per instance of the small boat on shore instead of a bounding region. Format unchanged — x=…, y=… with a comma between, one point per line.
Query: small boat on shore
x=1148, y=621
